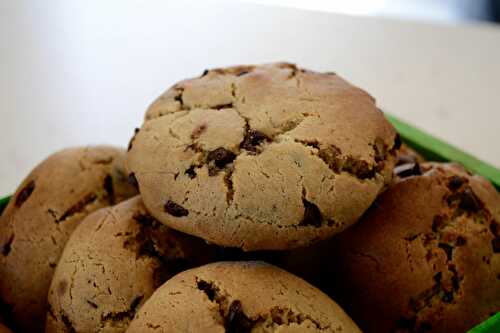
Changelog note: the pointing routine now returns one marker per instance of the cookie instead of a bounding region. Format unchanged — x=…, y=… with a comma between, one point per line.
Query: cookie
x=239, y=297
x=425, y=257
x=40, y=217
x=4, y=329
x=112, y=263
x=262, y=157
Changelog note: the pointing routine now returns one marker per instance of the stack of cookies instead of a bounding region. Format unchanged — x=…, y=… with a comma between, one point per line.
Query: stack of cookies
x=252, y=199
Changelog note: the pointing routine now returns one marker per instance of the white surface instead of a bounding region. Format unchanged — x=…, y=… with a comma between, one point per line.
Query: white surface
x=83, y=72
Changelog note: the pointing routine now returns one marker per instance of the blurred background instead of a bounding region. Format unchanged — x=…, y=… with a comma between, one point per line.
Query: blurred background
x=83, y=72
x=422, y=10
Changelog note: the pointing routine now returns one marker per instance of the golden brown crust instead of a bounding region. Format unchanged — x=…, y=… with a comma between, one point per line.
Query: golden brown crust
x=426, y=256
x=262, y=157
x=239, y=297
x=111, y=265
x=39, y=219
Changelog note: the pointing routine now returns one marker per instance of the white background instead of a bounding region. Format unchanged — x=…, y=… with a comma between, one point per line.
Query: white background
x=83, y=72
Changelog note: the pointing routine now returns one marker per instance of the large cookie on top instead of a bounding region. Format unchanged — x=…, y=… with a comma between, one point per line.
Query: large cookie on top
x=40, y=217
x=262, y=157
x=239, y=297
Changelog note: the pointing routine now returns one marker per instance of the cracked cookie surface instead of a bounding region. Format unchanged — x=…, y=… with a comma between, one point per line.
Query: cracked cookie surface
x=42, y=214
x=111, y=265
x=262, y=157
x=239, y=297
x=425, y=257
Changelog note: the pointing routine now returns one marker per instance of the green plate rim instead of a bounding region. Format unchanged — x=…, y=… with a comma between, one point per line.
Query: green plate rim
x=435, y=149
x=3, y=203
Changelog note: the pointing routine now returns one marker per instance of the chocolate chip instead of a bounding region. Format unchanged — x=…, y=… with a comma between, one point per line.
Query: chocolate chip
x=190, y=172
x=455, y=281
x=397, y=141
x=469, y=201
x=408, y=170
x=460, y=241
x=207, y=288
x=175, y=209
x=447, y=297
x=25, y=193
x=448, y=249
x=205, y=72
x=253, y=138
x=7, y=246
x=312, y=214
x=221, y=157
x=236, y=321
x=437, y=222
x=495, y=229
x=455, y=183
x=495, y=243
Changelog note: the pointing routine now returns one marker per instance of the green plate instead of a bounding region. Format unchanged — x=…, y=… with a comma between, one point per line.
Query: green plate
x=491, y=325
x=3, y=203
x=433, y=149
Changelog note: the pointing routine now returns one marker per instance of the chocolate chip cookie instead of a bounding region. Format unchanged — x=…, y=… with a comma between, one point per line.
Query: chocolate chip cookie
x=112, y=263
x=425, y=257
x=262, y=157
x=239, y=297
x=40, y=217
